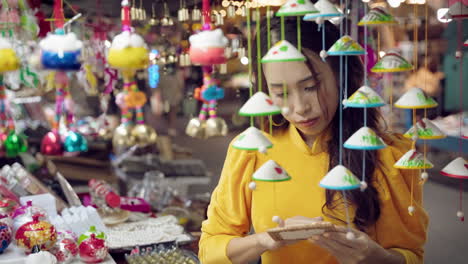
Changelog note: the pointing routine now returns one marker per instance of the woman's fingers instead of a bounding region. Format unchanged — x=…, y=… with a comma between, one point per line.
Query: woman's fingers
x=340, y=238
x=336, y=249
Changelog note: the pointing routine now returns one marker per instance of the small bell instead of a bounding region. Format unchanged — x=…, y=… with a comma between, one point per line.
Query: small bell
x=241, y=52
x=144, y=135
x=153, y=21
x=228, y=52
x=122, y=139
x=231, y=11
x=196, y=14
x=223, y=68
x=196, y=128
x=216, y=126
x=182, y=60
x=255, y=15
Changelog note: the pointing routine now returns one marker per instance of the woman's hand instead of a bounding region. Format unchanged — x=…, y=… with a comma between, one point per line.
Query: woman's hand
x=361, y=249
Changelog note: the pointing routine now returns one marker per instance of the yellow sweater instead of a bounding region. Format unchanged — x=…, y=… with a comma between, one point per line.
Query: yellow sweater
x=234, y=208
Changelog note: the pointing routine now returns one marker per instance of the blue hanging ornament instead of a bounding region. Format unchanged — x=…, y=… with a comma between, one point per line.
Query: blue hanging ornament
x=213, y=92
x=153, y=70
x=75, y=142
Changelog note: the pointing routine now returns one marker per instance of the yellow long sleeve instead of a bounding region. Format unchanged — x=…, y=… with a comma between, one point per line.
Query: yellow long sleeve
x=229, y=210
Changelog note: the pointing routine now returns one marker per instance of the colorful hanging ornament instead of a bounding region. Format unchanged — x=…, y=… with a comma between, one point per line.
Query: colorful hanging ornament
x=296, y=8
x=260, y=104
x=377, y=16
x=458, y=9
x=5, y=234
x=207, y=48
x=51, y=144
x=271, y=172
x=413, y=160
x=425, y=130
x=129, y=44
x=36, y=232
x=364, y=97
x=392, y=62
x=14, y=143
x=252, y=139
x=346, y=46
x=61, y=52
x=283, y=51
x=93, y=249
x=365, y=139
x=66, y=248
x=326, y=9
x=415, y=98
x=341, y=179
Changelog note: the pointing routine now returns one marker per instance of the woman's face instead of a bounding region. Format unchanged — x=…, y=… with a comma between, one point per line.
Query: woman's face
x=312, y=97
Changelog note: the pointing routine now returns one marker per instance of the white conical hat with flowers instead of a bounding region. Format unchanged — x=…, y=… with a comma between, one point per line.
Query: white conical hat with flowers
x=426, y=130
x=364, y=97
x=271, y=172
x=326, y=10
x=413, y=160
x=340, y=178
x=252, y=139
x=392, y=62
x=377, y=16
x=346, y=46
x=260, y=104
x=458, y=10
x=457, y=168
x=415, y=98
x=297, y=8
x=283, y=51
x=365, y=139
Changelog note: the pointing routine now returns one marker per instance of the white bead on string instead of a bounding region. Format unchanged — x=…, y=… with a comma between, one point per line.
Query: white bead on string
x=350, y=235
x=252, y=186
x=262, y=149
x=424, y=176
x=285, y=110
x=323, y=54
x=411, y=210
x=319, y=20
x=363, y=185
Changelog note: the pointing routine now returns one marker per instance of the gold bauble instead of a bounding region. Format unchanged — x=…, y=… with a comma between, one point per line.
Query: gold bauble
x=196, y=128
x=144, y=135
x=122, y=138
x=215, y=127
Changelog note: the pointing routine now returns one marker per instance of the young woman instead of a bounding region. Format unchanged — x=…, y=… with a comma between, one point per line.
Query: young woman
x=306, y=145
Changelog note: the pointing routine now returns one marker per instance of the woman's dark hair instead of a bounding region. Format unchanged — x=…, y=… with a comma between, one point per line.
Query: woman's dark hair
x=366, y=202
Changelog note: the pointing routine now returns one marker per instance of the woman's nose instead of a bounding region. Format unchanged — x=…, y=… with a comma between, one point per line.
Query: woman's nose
x=299, y=104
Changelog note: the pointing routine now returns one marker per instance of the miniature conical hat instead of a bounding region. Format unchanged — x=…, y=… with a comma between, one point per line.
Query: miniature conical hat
x=415, y=98
x=365, y=139
x=272, y=172
x=326, y=10
x=413, y=160
x=283, y=51
x=458, y=168
x=458, y=10
x=466, y=43
x=340, y=178
x=364, y=97
x=259, y=104
x=392, y=62
x=377, y=16
x=346, y=46
x=252, y=139
x=296, y=8
x=426, y=130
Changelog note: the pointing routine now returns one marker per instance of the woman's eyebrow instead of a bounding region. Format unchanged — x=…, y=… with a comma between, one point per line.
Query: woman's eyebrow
x=308, y=78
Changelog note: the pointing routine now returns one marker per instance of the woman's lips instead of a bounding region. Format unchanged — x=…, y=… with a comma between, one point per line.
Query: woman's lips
x=309, y=122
